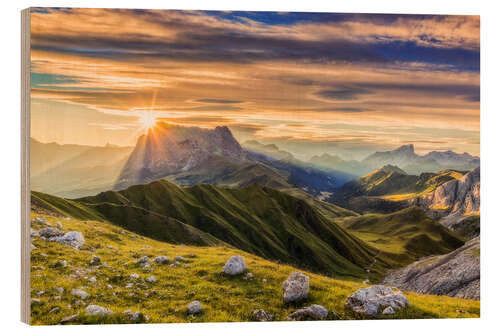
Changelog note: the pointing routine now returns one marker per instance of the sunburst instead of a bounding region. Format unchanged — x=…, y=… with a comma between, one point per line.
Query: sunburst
x=147, y=119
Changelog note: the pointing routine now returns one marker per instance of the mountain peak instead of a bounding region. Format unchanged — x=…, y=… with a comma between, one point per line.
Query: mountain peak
x=392, y=168
x=409, y=148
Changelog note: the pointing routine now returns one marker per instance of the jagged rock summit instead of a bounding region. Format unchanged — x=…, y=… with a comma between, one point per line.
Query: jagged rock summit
x=167, y=149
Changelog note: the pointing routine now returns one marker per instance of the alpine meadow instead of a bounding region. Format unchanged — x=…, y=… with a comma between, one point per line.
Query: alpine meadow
x=221, y=166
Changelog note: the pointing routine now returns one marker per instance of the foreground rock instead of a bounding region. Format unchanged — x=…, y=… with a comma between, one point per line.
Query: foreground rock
x=261, y=315
x=96, y=310
x=234, y=266
x=296, y=287
x=162, y=260
x=74, y=239
x=194, y=308
x=374, y=300
x=455, y=274
x=79, y=293
x=313, y=312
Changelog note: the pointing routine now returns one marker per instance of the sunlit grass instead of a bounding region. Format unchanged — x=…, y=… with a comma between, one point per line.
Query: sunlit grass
x=223, y=298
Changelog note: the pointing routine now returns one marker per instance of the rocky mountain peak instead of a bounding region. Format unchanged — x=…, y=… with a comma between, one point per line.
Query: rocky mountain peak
x=167, y=149
x=409, y=149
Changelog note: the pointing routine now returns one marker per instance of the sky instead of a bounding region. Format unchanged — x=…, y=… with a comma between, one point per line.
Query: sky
x=346, y=84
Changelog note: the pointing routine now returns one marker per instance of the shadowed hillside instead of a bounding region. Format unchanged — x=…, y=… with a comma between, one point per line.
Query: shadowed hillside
x=257, y=219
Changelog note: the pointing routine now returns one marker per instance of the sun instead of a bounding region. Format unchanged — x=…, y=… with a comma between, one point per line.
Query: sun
x=147, y=119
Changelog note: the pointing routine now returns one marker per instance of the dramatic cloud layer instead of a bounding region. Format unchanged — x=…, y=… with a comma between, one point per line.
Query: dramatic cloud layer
x=347, y=83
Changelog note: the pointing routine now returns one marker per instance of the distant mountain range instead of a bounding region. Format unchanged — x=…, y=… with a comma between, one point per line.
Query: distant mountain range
x=190, y=155
x=406, y=158
x=75, y=170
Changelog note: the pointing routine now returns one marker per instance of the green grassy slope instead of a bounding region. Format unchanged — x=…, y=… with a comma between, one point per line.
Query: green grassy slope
x=410, y=233
x=257, y=219
x=223, y=298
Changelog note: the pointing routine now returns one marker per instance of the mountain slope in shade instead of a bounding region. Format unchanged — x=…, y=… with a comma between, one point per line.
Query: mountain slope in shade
x=257, y=219
x=74, y=170
x=455, y=274
x=132, y=218
x=409, y=232
x=406, y=158
x=168, y=149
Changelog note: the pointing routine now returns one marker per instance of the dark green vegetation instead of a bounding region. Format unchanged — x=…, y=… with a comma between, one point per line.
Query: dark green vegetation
x=469, y=227
x=223, y=298
x=385, y=190
x=256, y=219
x=408, y=234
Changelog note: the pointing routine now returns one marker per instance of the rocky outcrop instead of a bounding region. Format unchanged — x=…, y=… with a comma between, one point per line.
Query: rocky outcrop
x=454, y=199
x=375, y=300
x=454, y=274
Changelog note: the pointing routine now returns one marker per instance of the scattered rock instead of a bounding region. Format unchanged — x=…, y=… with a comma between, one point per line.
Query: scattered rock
x=136, y=317
x=151, y=279
x=296, y=287
x=50, y=232
x=79, y=293
x=74, y=239
x=68, y=319
x=95, y=261
x=54, y=309
x=96, y=310
x=60, y=290
x=261, y=315
x=234, y=266
x=313, y=312
x=194, y=308
x=388, y=311
x=59, y=225
x=162, y=260
x=179, y=258
x=142, y=261
x=60, y=263
x=92, y=279
x=192, y=255
x=134, y=276
x=248, y=276
x=32, y=247
x=372, y=300
x=35, y=301
x=129, y=285
x=34, y=233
